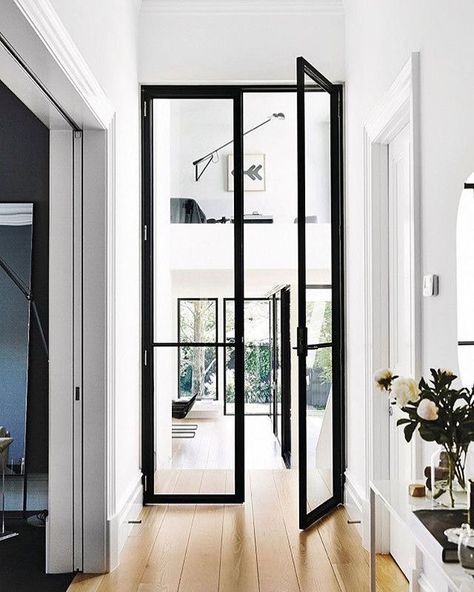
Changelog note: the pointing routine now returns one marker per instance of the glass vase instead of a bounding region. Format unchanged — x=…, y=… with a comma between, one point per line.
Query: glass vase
x=466, y=549
x=448, y=480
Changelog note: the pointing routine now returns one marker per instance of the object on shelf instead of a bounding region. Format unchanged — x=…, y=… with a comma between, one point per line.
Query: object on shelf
x=416, y=490
x=437, y=522
x=185, y=210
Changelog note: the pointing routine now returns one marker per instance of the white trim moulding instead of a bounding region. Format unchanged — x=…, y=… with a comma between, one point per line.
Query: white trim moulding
x=286, y=7
x=48, y=26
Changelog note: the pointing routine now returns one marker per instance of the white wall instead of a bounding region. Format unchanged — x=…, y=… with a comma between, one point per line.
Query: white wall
x=106, y=34
x=232, y=46
x=380, y=35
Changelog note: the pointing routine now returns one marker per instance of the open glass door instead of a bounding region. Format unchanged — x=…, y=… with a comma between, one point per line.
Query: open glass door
x=320, y=304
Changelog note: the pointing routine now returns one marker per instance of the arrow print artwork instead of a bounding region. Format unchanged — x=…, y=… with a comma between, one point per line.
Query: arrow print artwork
x=254, y=172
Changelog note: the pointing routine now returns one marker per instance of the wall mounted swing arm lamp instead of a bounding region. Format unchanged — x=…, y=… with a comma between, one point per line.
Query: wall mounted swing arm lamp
x=208, y=158
x=28, y=295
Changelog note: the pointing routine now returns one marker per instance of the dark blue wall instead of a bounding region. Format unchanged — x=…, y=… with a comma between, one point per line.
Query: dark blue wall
x=24, y=177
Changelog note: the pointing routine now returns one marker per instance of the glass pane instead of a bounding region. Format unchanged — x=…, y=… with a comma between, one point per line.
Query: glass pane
x=16, y=225
x=319, y=427
x=193, y=229
x=193, y=209
x=198, y=372
x=319, y=315
x=194, y=440
x=258, y=357
x=318, y=185
x=198, y=320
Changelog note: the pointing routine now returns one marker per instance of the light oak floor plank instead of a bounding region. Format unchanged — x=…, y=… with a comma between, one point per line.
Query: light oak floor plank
x=313, y=568
x=276, y=570
x=203, y=557
x=238, y=553
x=254, y=547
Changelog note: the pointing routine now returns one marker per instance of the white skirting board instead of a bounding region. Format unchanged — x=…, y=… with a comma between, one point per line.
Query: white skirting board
x=118, y=526
x=355, y=503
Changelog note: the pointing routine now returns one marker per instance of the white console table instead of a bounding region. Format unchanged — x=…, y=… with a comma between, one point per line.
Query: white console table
x=401, y=507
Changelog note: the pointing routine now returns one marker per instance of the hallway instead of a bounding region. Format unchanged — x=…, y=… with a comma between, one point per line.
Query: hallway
x=256, y=547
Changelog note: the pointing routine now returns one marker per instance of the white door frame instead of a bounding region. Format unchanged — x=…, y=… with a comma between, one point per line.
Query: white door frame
x=81, y=425
x=399, y=108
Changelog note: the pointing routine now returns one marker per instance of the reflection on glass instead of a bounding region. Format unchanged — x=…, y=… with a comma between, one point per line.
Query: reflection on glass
x=319, y=428
x=16, y=224
x=258, y=362
x=319, y=396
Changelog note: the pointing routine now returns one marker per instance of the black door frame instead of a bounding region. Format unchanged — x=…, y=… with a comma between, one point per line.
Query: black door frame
x=148, y=94
x=282, y=432
x=335, y=92
x=227, y=91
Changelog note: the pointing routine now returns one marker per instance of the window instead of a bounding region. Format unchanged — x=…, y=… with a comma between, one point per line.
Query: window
x=197, y=362
x=258, y=356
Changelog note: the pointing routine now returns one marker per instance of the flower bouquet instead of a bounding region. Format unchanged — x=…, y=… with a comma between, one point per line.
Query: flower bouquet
x=441, y=413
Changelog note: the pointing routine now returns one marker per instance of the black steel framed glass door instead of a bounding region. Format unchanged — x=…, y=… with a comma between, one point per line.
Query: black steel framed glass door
x=192, y=453
x=320, y=294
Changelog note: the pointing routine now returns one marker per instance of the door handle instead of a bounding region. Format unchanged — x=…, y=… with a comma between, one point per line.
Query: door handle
x=319, y=345
x=302, y=341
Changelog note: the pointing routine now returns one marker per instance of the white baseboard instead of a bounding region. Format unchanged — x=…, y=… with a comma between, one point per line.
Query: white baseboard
x=118, y=526
x=424, y=585
x=355, y=504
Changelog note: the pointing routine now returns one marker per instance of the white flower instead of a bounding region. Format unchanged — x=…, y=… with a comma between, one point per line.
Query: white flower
x=383, y=378
x=446, y=371
x=405, y=390
x=427, y=410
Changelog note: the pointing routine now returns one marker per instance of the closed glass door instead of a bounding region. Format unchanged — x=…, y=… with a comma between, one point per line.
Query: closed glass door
x=193, y=259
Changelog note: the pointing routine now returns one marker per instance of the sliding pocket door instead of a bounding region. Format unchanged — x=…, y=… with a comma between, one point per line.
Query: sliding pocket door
x=320, y=296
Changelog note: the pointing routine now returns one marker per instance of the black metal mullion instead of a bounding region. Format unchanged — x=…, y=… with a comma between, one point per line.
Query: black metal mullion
x=239, y=292
x=148, y=410
x=301, y=212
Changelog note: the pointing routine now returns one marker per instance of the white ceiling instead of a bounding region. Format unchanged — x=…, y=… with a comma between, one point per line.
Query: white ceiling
x=244, y=6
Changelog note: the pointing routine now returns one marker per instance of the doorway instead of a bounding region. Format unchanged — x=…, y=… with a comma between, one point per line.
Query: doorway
x=212, y=209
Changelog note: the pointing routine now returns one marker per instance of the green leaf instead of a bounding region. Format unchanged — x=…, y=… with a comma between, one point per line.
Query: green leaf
x=409, y=430
x=403, y=420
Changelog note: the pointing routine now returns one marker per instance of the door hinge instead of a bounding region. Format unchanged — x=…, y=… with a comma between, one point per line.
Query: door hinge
x=145, y=232
x=145, y=109
x=145, y=357
x=145, y=483
x=77, y=393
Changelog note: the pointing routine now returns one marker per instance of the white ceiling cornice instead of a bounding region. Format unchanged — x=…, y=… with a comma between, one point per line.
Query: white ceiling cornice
x=286, y=7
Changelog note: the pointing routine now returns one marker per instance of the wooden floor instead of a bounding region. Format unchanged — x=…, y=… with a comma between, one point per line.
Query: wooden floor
x=254, y=547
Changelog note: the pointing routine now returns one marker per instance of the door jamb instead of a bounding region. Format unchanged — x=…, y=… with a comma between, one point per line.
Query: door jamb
x=399, y=107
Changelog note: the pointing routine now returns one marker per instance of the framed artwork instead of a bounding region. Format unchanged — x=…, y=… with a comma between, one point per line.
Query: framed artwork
x=254, y=172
